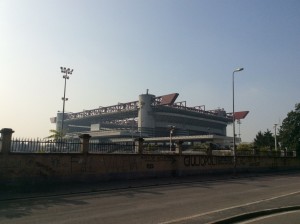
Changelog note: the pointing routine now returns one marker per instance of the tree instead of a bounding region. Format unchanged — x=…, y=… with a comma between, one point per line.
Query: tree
x=289, y=132
x=55, y=135
x=245, y=147
x=259, y=140
x=264, y=140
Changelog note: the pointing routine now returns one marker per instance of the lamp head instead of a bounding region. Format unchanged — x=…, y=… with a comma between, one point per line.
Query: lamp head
x=238, y=69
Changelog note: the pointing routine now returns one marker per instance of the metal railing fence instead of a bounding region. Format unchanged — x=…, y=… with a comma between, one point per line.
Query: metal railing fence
x=149, y=148
x=129, y=147
x=279, y=153
x=45, y=146
x=111, y=147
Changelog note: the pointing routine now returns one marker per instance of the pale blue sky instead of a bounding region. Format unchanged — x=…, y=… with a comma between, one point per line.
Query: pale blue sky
x=120, y=48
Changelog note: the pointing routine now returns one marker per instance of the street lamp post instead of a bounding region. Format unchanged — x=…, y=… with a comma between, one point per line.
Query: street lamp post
x=67, y=72
x=239, y=123
x=233, y=118
x=275, y=127
x=172, y=128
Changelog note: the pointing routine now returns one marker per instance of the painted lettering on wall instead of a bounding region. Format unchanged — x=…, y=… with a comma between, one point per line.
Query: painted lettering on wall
x=157, y=158
x=150, y=166
x=200, y=160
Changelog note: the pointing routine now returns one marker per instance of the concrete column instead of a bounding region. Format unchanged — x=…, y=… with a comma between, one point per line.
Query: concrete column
x=85, y=140
x=146, y=120
x=59, y=117
x=139, y=145
x=6, y=134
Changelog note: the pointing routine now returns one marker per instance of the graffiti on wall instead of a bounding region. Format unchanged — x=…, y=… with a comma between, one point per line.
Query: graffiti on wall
x=29, y=166
x=201, y=160
x=120, y=164
x=150, y=160
x=157, y=158
x=78, y=164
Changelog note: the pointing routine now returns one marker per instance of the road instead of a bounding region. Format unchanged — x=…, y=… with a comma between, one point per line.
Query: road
x=185, y=202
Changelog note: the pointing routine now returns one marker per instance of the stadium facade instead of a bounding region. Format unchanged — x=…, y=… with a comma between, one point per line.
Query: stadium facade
x=148, y=117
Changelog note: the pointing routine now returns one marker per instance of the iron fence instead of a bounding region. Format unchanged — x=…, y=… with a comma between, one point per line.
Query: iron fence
x=45, y=146
x=74, y=146
x=157, y=148
x=110, y=147
x=270, y=153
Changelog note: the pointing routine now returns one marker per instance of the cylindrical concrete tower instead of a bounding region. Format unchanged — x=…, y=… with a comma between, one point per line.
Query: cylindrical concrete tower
x=59, y=117
x=146, y=121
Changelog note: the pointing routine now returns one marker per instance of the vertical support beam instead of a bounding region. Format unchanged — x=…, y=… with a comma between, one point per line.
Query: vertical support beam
x=6, y=134
x=85, y=140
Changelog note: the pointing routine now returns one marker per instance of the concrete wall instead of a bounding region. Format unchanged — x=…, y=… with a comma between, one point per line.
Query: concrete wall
x=85, y=166
x=92, y=167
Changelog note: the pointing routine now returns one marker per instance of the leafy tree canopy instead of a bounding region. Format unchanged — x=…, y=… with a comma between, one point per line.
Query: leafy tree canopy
x=245, y=146
x=263, y=140
x=55, y=135
x=289, y=132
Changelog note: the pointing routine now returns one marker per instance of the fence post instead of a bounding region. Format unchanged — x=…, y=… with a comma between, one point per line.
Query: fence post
x=179, y=147
x=85, y=140
x=6, y=134
x=139, y=145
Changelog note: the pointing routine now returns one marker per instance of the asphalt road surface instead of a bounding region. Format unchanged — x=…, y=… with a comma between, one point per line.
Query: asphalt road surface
x=182, y=202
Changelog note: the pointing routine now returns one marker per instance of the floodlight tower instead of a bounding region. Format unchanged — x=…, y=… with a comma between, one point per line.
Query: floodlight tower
x=67, y=72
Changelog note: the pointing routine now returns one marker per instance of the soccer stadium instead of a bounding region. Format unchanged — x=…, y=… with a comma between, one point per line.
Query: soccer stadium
x=148, y=117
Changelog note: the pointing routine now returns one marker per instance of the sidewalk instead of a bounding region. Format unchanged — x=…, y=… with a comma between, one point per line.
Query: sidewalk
x=30, y=190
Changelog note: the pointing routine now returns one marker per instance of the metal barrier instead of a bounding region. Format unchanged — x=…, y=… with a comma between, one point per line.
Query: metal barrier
x=109, y=147
x=279, y=153
x=75, y=146
x=44, y=146
x=150, y=148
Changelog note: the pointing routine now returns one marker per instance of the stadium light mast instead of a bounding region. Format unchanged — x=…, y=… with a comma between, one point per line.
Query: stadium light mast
x=67, y=72
x=233, y=118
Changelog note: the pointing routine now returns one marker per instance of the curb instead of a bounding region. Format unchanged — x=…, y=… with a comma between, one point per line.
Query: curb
x=251, y=215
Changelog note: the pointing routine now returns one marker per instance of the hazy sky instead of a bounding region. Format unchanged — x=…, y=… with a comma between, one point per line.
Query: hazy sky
x=120, y=48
